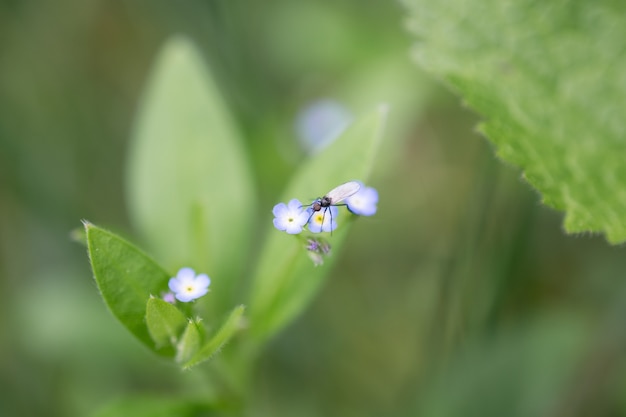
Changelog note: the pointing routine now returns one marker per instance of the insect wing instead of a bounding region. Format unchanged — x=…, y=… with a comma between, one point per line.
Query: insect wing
x=343, y=191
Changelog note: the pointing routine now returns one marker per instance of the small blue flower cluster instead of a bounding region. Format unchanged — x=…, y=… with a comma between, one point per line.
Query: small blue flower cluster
x=293, y=216
x=321, y=215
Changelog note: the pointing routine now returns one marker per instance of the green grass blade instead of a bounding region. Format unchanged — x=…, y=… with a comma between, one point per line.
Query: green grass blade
x=285, y=279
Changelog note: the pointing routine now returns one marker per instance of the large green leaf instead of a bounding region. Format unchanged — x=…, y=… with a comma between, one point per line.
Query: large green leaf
x=126, y=278
x=548, y=76
x=285, y=279
x=189, y=186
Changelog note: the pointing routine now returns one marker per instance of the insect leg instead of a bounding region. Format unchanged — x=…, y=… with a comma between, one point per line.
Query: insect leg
x=331, y=222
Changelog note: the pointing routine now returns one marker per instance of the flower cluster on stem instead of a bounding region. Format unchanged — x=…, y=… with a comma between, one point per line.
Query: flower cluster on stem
x=321, y=215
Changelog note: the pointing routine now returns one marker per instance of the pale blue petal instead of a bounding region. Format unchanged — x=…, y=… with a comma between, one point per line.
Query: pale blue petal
x=295, y=205
x=279, y=223
x=175, y=285
x=203, y=280
x=293, y=228
x=186, y=274
x=279, y=210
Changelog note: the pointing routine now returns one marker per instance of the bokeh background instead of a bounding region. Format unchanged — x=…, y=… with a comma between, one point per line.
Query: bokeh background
x=462, y=296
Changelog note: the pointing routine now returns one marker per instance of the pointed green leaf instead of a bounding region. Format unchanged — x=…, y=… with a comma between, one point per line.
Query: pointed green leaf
x=189, y=342
x=165, y=322
x=189, y=186
x=229, y=328
x=548, y=76
x=126, y=277
x=285, y=278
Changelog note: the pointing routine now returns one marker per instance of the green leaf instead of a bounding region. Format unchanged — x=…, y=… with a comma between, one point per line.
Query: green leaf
x=189, y=186
x=525, y=370
x=126, y=278
x=285, y=279
x=165, y=322
x=549, y=79
x=189, y=342
x=146, y=406
x=232, y=324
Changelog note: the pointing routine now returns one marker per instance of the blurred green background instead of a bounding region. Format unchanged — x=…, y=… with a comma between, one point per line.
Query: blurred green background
x=461, y=296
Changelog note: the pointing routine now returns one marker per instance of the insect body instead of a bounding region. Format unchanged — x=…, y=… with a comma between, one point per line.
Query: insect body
x=334, y=197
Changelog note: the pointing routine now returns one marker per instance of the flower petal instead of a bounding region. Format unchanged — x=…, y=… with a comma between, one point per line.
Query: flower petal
x=175, y=285
x=200, y=292
x=295, y=205
x=185, y=274
x=293, y=228
x=279, y=224
x=203, y=280
x=364, y=202
x=279, y=210
x=184, y=297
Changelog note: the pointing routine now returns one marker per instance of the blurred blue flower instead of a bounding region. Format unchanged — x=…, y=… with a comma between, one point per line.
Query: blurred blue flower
x=363, y=202
x=317, y=249
x=290, y=218
x=188, y=286
x=324, y=220
x=320, y=123
x=318, y=245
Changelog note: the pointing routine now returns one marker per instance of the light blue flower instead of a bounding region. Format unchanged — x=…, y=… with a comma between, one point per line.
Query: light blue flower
x=290, y=218
x=188, y=286
x=320, y=123
x=324, y=220
x=363, y=202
